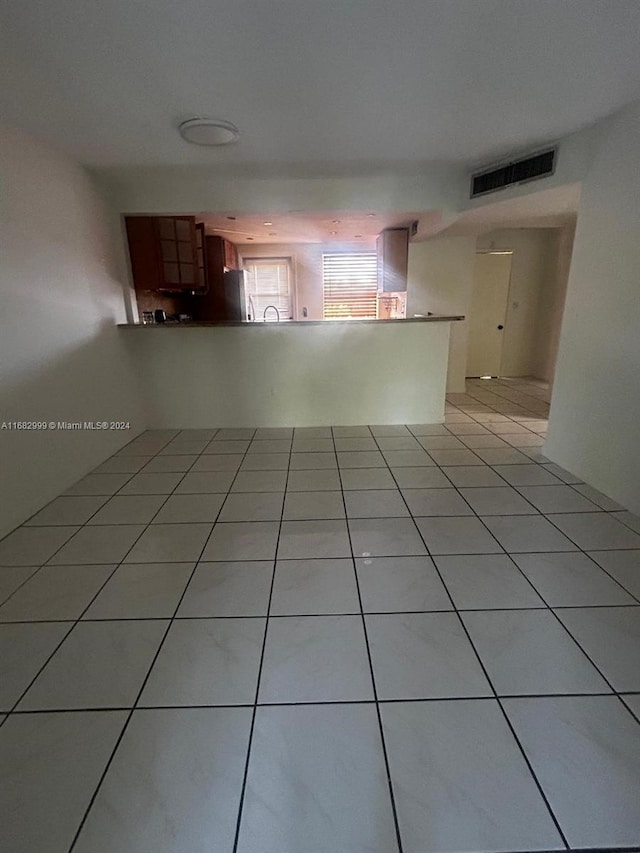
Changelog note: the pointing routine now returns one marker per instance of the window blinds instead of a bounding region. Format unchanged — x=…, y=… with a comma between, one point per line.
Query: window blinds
x=267, y=283
x=350, y=285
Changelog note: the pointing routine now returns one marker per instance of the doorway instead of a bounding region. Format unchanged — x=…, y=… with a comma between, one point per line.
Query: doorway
x=492, y=276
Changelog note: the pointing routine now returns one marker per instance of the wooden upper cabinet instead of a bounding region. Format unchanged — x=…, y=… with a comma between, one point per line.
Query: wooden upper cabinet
x=392, y=247
x=166, y=253
x=200, y=253
x=231, y=256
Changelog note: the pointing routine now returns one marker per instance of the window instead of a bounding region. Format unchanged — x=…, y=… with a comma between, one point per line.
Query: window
x=350, y=285
x=267, y=282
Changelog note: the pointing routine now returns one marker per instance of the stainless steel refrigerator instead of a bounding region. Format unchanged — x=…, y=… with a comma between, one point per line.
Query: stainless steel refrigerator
x=235, y=299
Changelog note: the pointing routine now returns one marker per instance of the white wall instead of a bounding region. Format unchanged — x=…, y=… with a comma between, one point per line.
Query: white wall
x=284, y=374
x=306, y=263
x=594, y=429
x=440, y=280
x=60, y=355
x=187, y=189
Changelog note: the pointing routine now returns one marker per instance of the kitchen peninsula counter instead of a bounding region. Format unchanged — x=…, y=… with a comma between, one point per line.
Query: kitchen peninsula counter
x=432, y=318
x=298, y=373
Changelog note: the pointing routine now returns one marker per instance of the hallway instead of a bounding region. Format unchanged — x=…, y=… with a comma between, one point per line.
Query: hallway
x=385, y=639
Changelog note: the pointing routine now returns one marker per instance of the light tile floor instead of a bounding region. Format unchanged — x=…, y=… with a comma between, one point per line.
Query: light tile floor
x=385, y=639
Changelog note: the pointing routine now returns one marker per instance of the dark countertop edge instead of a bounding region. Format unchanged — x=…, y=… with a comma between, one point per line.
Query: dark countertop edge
x=436, y=318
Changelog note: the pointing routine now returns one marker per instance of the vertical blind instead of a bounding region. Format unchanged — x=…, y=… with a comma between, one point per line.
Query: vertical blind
x=267, y=283
x=350, y=285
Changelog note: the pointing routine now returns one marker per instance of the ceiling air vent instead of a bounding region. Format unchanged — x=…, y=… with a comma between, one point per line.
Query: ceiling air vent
x=517, y=172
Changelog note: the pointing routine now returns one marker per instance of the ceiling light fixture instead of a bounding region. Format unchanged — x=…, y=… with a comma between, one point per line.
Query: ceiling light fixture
x=267, y=223
x=333, y=232
x=336, y=221
x=208, y=131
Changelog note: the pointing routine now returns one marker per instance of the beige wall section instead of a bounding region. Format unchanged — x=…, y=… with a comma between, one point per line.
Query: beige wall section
x=61, y=358
x=595, y=410
x=292, y=375
x=551, y=303
x=306, y=264
x=440, y=280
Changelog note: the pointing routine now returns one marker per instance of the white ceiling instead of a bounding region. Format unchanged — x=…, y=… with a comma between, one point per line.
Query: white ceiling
x=342, y=226
x=315, y=81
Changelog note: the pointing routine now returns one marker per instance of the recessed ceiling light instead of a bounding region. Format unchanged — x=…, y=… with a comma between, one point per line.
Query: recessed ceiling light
x=267, y=223
x=208, y=131
x=333, y=232
x=231, y=217
x=336, y=221
x=371, y=214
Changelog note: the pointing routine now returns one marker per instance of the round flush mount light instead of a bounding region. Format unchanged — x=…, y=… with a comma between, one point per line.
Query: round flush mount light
x=208, y=131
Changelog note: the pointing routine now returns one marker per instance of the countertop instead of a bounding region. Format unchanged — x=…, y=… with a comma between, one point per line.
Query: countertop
x=433, y=318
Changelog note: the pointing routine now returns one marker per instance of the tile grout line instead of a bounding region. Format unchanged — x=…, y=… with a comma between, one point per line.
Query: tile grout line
x=614, y=692
x=374, y=688
x=256, y=704
x=313, y=702
x=501, y=384
x=84, y=610
x=74, y=622
x=551, y=609
x=139, y=694
x=586, y=554
x=25, y=523
x=245, y=775
x=495, y=695
x=514, y=609
x=66, y=542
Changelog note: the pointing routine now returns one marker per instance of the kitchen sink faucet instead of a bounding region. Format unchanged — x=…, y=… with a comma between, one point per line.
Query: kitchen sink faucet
x=264, y=313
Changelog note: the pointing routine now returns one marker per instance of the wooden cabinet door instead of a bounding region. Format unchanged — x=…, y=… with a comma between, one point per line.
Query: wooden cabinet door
x=230, y=256
x=164, y=253
x=143, y=252
x=200, y=252
x=393, y=256
x=178, y=251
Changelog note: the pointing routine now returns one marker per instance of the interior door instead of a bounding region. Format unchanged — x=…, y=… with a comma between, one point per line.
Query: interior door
x=492, y=274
